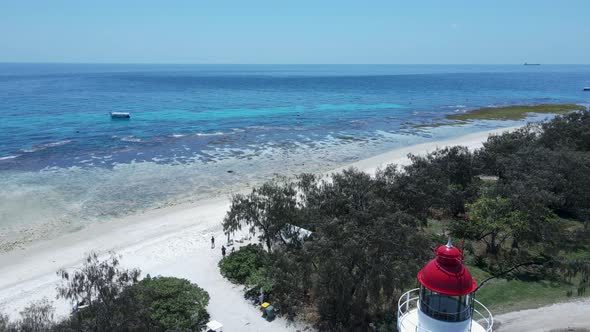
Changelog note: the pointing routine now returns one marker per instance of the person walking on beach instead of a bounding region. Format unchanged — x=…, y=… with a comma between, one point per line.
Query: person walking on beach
x=212, y=242
x=223, y=251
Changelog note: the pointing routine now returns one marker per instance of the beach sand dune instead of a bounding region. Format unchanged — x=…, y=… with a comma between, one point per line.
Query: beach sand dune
x=172, y=241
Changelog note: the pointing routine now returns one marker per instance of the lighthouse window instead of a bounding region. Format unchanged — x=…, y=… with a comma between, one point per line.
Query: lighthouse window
x=445, y=307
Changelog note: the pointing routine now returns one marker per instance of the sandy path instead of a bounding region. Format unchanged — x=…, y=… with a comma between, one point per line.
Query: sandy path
x=172, y=241
x=560, y=316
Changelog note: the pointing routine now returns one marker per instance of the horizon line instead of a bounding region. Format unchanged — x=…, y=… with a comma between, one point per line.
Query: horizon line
x=280, y=64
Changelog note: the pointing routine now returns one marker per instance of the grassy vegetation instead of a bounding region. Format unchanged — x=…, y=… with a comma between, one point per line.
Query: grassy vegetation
x=503, y=295
x=514, y=112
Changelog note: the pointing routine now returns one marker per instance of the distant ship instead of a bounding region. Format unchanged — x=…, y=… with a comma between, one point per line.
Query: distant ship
x=532, y=64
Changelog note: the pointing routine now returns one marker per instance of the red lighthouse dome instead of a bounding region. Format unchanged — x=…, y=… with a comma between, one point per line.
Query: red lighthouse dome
x=445, y=301
x=446, y=274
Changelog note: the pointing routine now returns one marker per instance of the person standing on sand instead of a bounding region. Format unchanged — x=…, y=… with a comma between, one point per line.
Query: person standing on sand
x=223, y=251
x=212, y=242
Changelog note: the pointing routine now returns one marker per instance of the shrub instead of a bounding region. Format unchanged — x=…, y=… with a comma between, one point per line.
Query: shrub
x=242, y=265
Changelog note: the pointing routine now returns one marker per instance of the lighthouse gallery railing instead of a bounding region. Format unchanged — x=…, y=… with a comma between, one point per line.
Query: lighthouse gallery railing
x=409, y=301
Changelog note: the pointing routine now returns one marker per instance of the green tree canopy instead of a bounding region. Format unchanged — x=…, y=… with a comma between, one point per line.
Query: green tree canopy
x=493, y=220
x=110, y=298
x=169, y=304
x=265, y=210
x=97, y=285
x=241, y=265
x=362, y=253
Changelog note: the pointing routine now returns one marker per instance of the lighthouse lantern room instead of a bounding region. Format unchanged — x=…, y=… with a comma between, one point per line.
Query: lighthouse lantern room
x=445, y=300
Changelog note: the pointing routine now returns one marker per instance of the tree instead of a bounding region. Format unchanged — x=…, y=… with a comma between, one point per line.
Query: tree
x=110, y=298
x=168, y=304
x=291, y=273
x=543, y=165
x=6, y=325
x=493, y=220
x=542, y=170
x=442, y=181
x=570, y=131
x=37, y=317
x=362, y=268
x=362, y=251
x=266, y=209
x=97, y=285
x=500, y=152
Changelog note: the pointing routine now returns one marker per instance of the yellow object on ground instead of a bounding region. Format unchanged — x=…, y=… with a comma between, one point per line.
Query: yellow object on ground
x=265, y=304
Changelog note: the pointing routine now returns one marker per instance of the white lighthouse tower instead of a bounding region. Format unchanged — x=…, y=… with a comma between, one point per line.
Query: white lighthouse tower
x=445, y=300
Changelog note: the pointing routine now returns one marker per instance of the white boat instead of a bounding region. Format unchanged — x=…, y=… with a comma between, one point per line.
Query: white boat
x=120, y=115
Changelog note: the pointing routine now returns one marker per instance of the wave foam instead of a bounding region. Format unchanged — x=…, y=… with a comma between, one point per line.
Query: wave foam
x=47, y=146
x=131, y=139
x=210, y=134
x=9, y=157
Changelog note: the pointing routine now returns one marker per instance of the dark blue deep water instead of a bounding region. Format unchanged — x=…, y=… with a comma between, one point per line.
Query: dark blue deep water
x=64, y=159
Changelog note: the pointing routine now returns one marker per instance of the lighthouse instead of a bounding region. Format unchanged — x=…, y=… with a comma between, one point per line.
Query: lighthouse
x=445, y=300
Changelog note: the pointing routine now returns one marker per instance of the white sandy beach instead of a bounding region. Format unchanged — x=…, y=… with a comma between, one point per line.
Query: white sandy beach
x=172, y=241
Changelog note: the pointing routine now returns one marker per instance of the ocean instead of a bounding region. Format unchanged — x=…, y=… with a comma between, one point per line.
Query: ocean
x=202, y=130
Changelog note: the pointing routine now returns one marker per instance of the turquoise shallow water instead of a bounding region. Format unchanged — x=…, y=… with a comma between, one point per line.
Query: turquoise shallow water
x=64, y=162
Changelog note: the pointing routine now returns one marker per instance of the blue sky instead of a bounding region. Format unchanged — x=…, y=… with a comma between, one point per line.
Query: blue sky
x=302, y=31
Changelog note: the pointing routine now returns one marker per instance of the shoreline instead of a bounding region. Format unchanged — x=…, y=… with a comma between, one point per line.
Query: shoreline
x=168, y=241
x=399, y=156
x=60, y=201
